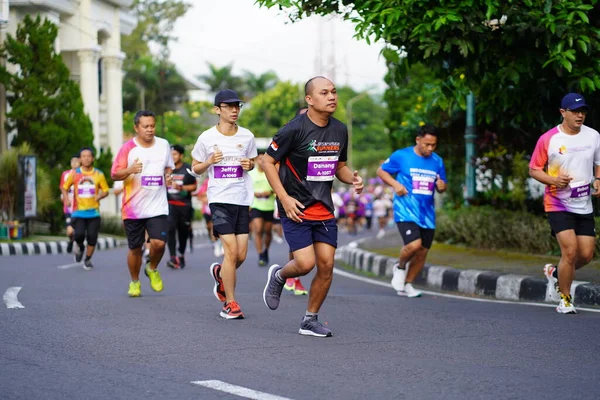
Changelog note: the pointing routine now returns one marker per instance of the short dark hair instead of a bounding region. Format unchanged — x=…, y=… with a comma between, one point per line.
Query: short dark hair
x=75, y=156
x=84, y=149
x=427, y=129
x=308, y=86
x=178, y=148
x=142, y=113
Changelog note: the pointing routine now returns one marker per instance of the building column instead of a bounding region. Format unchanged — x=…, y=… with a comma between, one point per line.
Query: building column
x=114, y=99
x=88, y=67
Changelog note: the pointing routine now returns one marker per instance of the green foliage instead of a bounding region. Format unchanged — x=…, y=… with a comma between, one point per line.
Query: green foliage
x=271, y=110
x=181, y=126
x=9, y=183
x=220, y=78
x=518, y=57
x=489, y=228
x=46, y=108
x=153, y=85
x=112, y=225
x=151, y=81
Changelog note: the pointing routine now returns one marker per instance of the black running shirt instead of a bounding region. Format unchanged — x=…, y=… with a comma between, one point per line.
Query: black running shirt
x=309, y=156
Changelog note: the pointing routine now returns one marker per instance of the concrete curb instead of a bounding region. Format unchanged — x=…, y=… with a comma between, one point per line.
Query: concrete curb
x=473, y=282
x=60, y=247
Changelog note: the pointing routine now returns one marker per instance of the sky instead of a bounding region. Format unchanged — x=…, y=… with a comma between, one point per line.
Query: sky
x=259, y=39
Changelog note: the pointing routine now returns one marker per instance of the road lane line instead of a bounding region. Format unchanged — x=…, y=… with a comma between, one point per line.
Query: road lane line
x=10, y=297
x=238, y=390
x=454, y=296
x=67, y=266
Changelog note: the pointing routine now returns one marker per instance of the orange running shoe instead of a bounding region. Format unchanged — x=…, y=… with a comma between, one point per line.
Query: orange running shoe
x=299, y=290
x=232, y=310
x=218, y=289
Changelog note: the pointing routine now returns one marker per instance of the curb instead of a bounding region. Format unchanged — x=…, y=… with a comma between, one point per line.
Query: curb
x=497, y=285
x=60, y=247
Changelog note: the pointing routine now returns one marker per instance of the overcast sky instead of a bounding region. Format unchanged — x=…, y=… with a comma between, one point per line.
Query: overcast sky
x=258, y=40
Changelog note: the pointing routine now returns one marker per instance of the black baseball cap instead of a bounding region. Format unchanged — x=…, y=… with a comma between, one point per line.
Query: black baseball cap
x=227, y=96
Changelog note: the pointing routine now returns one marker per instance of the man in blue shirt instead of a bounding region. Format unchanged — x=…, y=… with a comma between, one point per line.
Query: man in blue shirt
x=414, y=173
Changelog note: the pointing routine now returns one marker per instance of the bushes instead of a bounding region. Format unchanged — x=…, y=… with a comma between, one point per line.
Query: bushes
x=112, y=225
x=488, y=228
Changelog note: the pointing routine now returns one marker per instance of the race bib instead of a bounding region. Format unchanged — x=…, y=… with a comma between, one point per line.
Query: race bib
x=321, y=168
x=86, y=191
x=423, y=185
x=152, y=182
x=579, y=189
x=228, y=171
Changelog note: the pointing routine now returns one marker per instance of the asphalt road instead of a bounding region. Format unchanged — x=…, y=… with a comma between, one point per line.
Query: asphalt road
x=80, y=337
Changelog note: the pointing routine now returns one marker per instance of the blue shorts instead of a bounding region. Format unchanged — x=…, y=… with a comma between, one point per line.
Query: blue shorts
x=303, y=234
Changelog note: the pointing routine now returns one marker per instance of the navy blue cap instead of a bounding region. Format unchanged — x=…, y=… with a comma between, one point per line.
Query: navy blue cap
x=227, y=96
x=573, y=101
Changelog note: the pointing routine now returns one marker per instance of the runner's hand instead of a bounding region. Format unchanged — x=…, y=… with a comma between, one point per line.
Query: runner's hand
x=67, y=203
x=440, y=184
x=169, y=179
x=400, y=189
x=216, y=156
x=596, y=186
x=293, y=208
x=137, y=166
x=562, y=181
x=246, y=164
x=357, y=182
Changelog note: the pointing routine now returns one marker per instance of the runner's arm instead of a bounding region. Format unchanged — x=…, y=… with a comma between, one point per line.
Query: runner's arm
x=541, y=176
x=268, y=165
x=344, y=173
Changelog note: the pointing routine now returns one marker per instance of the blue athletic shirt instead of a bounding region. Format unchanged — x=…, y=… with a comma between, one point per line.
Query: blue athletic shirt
x=418, y=175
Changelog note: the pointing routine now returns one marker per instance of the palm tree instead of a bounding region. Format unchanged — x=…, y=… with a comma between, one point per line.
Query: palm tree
x=220, y=78
x=256, y=84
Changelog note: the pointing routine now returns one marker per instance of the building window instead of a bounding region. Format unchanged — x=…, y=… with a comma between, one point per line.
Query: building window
x=100, y=76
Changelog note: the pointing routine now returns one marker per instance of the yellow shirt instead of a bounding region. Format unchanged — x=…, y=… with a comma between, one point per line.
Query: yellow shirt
x=87, y=185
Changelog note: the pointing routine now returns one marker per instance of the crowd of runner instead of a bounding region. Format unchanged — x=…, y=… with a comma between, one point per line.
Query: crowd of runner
x=287, y=190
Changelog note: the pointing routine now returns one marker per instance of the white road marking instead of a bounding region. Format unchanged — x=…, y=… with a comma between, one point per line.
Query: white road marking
x=453, y=296
x=202, y=245
x=10, y=297
x=67, y=266
x=238, y=390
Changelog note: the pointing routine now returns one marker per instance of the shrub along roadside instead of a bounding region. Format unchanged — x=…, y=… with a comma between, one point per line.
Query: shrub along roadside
x=488, y=228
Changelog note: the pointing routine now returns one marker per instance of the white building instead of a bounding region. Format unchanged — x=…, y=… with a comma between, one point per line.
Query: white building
x=89, y=40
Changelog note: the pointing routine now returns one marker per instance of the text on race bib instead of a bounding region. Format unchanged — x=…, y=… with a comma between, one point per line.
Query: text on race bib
x=86, y=191
x=580, y=189
x=152, y=181
x=321, y=168
x=228, y=172
x=423, y=184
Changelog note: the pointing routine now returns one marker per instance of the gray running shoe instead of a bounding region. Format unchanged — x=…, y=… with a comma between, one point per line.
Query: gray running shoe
x=87, y=265
x=312, y=327
x=273, y=288
x=78, y=253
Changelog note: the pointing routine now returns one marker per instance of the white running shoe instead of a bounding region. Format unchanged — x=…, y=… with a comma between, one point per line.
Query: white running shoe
x=398, y=277
x=221, y=250
x=216, y=249
x=552, y=291
x=565, y=306
x=278, y=239
x=409, y=291
x=380, y=234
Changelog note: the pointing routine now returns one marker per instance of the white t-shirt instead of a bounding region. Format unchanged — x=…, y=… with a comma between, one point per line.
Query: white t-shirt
x=572, y=155
x=228, y=182
x=145, y=194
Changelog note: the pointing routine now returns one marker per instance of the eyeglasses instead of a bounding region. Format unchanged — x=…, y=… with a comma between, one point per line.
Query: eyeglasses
x=231, y=106
x=579, y=111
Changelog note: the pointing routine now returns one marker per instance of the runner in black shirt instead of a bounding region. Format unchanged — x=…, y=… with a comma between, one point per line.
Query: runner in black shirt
x=311, y=150
x=179, y=195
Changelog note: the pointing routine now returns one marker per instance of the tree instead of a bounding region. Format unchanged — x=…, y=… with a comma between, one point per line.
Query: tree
x=220, y=78
x=46, y=108
x=270, y=110
x=519, y=57
x=255, y=84
x=151, y=81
